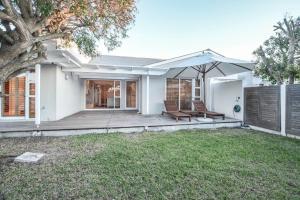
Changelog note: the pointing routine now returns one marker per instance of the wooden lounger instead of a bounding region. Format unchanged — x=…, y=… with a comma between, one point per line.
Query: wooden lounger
x=201, y=108
x=192, y=113
x=171, y=109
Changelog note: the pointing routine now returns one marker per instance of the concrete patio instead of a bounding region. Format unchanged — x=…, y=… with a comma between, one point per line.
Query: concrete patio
x=107, y=121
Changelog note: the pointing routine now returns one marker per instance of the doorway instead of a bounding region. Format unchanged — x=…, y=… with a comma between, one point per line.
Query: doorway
x=102, y=94
x=131, y=94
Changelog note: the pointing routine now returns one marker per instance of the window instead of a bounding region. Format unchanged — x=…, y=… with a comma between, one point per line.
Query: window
x=31, y=100
x=180, y=91
x=14, y=97
x=197, y=89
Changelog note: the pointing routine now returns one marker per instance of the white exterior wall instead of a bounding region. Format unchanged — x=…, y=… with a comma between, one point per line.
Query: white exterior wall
x=156, y=94
x=68, y=94
x=48, y=92
x=144, y=95
x=61, y=95
x=224, y=95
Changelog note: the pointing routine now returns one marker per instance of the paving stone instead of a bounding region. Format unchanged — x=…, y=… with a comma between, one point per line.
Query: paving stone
x=29, y=157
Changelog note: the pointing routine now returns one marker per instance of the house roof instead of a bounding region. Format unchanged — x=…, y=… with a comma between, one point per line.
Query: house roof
x=107, y=60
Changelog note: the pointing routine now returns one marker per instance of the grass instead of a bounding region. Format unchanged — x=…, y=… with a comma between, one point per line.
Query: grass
x=202, y=164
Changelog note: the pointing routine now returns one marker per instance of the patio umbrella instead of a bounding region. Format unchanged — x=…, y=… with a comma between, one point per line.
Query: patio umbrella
x=206, y=64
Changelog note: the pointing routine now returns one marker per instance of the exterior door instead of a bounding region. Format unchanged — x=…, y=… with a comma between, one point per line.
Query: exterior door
x=180, y=92
x=102, y=94
x=131, y=94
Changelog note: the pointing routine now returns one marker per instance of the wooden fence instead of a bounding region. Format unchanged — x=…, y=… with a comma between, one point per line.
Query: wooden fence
x=293, y=109
x=262, y=107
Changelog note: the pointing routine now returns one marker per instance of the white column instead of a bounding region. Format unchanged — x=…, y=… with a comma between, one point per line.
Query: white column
x=139, y=95
x=193, y=92
x=1, y=93
x=283, y=108
x=179, y=92
x=147, y=93
x=37, y=95
x=211, y=105
x=27, y=81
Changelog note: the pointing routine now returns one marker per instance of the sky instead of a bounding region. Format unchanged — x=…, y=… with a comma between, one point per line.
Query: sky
x=234, y=28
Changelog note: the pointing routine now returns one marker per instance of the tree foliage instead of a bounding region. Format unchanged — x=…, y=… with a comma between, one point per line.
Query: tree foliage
x=26, y=24
x=278, y=58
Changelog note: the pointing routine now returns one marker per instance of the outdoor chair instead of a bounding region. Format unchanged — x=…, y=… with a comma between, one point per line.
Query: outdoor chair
x=201, y=108
x=172, y=110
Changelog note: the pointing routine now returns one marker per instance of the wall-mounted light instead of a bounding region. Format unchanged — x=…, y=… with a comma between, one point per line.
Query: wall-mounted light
x=66, y=76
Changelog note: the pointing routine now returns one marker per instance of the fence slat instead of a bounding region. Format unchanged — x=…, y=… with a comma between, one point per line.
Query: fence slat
x=262, y=107
x=293, y=109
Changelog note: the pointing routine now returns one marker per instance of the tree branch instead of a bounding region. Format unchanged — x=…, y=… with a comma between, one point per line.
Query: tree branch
x=4, y=16
x=11, y=68
x=23, y=8
x=39, y=25
x=6, y=37
x=49, y=37
x=8, y=7
x=280, y=27
x=13, y=51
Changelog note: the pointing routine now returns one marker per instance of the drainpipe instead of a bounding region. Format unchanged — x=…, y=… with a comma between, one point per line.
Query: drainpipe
x=37, y=95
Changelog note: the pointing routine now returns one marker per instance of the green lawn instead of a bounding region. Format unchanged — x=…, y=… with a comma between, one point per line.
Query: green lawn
x=214, y=164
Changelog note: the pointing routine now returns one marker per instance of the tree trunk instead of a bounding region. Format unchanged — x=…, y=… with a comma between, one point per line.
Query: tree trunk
x=291, y=79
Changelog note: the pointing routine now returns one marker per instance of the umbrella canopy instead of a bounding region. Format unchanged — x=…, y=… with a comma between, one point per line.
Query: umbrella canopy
x=208, y=63
x=205, y=64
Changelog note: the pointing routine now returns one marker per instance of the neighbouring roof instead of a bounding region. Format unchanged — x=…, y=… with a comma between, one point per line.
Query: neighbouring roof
x=107, y=60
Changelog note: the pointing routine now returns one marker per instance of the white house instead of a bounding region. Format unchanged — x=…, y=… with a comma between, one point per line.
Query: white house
x=67, y=83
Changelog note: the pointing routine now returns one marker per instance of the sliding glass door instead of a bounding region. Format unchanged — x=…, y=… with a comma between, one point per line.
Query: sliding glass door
x=131, y=94
x=180, y=92
x=185, y=94
x=102, y=94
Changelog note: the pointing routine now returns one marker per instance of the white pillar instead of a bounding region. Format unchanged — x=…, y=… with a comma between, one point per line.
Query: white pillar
x=193, y=92
x=211, y=105
x=139, y=95
x=147, y=93
x=27, y=82
x=37, y=95
x=283, y=108
x=179, y=92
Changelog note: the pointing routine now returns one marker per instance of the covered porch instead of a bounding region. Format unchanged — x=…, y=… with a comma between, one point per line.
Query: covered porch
x=85, y=122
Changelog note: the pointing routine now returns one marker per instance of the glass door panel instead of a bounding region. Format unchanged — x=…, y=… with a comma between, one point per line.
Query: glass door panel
x=180, y=91
x=197, y=89
x=185, y=94
x=31, y=100
x=173, y=90
x=89, y=94
x=131, y=94
x=117, y=94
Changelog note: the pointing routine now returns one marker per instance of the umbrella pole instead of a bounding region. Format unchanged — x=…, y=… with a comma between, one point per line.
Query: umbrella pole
x=204, y=94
